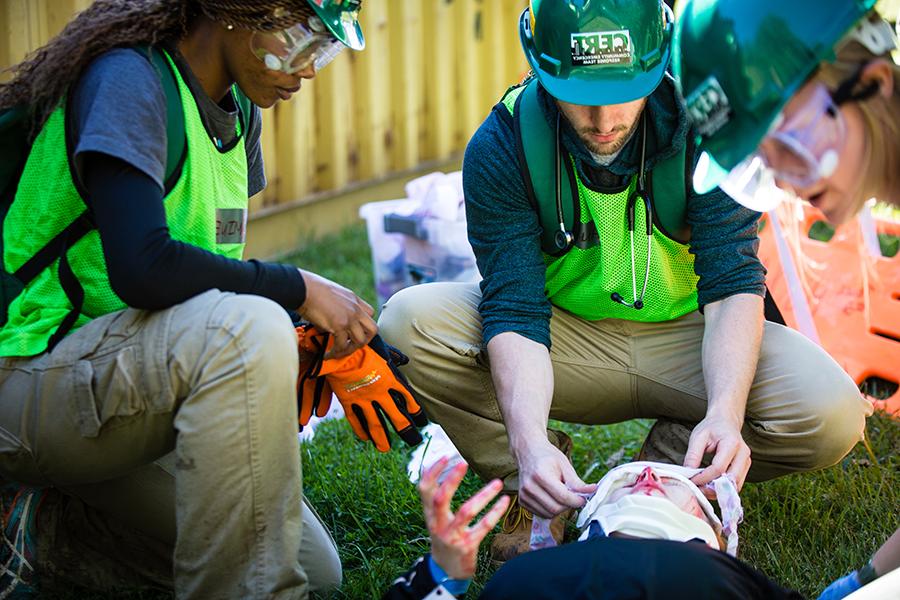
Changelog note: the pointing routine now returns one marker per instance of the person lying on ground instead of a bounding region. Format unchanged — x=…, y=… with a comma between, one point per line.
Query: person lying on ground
x=648, y=532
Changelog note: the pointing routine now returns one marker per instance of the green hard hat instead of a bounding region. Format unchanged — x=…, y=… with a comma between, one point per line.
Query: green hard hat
x=597, y=52
x=738, y=62
x=341, y=17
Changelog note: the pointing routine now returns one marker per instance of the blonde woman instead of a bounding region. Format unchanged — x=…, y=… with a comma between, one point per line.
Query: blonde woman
x=793, y=98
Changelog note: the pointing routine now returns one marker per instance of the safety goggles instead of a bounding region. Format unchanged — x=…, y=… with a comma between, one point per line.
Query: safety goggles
x=797, y=152
x=296, y=48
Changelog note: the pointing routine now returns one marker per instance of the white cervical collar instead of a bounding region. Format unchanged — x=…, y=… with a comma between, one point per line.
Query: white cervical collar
x=652, y=517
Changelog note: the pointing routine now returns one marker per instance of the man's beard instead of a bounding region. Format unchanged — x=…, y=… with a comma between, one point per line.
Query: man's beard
x=608, y=148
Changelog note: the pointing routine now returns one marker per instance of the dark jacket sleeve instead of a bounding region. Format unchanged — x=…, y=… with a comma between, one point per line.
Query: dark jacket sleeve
x=505, y=234
x=724, y=242
x=150, y=270
x=415, y=584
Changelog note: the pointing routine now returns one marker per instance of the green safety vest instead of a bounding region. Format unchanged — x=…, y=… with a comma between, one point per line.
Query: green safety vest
x=582, y=279
x=206, y=206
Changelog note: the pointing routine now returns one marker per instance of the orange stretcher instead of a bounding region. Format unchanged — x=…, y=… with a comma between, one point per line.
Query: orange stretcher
x=841, y=293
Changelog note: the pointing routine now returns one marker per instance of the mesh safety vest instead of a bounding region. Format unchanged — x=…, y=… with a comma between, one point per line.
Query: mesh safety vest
x=582, y=279
x=206, y=207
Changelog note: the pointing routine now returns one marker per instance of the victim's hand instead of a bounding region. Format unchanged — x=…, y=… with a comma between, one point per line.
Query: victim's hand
x=454, y=543
x=548, y=484
x=731, y=454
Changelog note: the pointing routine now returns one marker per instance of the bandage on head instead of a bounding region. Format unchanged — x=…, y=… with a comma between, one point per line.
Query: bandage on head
x=657, y=517
x=297, y=48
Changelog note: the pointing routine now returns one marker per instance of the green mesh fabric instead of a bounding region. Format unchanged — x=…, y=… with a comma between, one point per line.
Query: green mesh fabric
x=47, y=201
x=509, y=100
x=582, y=281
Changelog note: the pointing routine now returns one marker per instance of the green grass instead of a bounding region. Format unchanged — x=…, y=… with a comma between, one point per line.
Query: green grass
x=802, y=530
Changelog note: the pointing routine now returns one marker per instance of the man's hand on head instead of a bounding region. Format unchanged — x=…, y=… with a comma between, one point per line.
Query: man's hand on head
x=548, y=484
x=720, y=436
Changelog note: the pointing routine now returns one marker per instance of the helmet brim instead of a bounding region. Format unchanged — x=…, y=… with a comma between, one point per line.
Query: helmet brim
x=343, y=25
x=603, y=89
x=350, y=34
x=708, y=174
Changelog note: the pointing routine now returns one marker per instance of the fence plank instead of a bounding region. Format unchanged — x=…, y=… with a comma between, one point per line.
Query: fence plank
x=440, y=91
x=334, y=139
x=475, y=59
x=373, y=91
x=407, y=80
x=294, y=163
x=22, y=25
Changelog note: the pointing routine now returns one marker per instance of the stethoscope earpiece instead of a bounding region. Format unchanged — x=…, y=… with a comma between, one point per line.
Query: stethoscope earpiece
x=617, y=298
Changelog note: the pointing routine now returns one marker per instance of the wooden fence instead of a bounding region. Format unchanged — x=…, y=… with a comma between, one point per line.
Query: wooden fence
x=430, y=73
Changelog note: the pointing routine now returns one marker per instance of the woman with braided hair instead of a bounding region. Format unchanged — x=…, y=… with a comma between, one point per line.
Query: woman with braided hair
x=148, y=375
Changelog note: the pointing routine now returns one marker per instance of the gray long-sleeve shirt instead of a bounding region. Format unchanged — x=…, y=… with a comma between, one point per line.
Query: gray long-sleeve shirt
x=505, y=231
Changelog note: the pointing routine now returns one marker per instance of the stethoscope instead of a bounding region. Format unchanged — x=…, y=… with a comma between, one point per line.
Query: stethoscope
x=564, y=238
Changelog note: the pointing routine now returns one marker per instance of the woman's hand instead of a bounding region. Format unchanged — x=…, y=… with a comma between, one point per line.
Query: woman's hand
x=340, y=312
x=454, y=544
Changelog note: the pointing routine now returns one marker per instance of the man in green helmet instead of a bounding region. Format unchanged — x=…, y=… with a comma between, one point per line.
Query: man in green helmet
x=611, y=289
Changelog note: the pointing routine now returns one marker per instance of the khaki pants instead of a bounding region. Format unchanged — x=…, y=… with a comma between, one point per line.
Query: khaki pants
x=174, y=437
x=803, y=412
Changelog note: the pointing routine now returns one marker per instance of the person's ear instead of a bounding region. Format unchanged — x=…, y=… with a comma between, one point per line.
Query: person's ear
x=881, y=71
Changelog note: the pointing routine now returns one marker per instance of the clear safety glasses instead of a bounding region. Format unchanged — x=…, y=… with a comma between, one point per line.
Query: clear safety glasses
x=297, y=48
x=797, y=151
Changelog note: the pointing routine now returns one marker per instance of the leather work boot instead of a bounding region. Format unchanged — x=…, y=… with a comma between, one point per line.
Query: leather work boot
x=514, y=537
x=667, y=442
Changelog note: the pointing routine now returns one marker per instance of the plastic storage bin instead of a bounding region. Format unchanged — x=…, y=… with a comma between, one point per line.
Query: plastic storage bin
x=388, y=249
x=436, y=249
x=409, y=248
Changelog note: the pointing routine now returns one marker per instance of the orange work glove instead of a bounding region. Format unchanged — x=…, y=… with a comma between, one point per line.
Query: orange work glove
x=313, y=390
x=370, y=388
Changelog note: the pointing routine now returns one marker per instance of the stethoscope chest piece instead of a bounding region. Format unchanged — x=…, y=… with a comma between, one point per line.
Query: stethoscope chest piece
x=563, y=240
